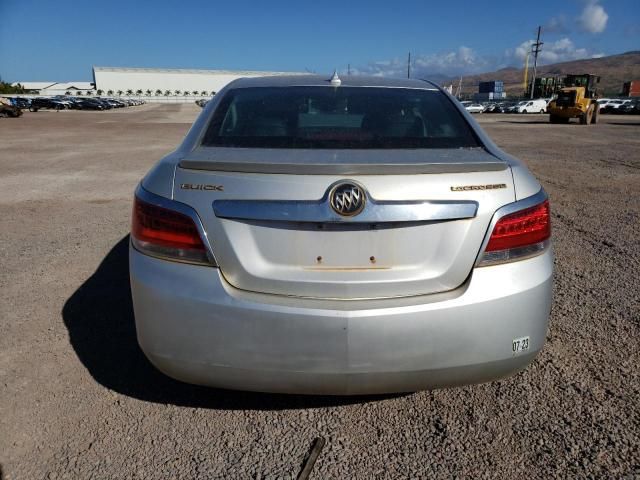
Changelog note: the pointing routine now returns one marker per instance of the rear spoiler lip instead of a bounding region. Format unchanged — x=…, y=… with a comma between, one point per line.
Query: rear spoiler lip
x=342, y=162
x=342, y=169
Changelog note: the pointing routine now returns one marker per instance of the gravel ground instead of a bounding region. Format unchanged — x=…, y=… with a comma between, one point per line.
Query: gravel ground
x=79, y=400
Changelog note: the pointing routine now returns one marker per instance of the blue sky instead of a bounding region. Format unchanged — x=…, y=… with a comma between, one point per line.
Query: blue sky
x=57, y=41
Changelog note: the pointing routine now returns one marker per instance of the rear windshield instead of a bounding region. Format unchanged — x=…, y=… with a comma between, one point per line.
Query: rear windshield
x=342, y=117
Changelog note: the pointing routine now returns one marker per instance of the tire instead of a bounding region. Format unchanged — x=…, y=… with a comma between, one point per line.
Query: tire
x=596, y=113
x=585, y=118
x=33, y=109
x=541, y=111
x=554, y=118
x=525, y=111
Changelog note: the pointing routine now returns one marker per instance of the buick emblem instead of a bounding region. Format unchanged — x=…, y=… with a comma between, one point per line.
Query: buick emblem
x=347, y=199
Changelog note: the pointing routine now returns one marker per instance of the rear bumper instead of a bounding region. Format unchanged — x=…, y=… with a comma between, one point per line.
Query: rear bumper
x=195, y=327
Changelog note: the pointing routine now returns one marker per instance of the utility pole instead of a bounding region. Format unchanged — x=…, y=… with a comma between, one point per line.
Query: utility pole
x=409, y=66
x=535, y=49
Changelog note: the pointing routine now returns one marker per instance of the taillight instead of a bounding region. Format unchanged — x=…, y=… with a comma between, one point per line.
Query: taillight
x=519, y=235
x=162, y=232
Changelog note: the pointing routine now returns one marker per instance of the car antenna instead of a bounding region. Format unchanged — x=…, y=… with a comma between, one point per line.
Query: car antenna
x=335, y=79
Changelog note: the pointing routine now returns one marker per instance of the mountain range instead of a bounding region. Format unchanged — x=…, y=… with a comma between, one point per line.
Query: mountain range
x=614, y=70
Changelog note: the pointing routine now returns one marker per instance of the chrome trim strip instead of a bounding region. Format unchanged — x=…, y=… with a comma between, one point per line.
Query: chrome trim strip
x=157, y=200
x=531, y=201
x=320, y=211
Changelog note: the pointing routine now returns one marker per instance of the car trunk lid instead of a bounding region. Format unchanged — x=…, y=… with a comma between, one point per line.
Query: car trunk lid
x=269, y=219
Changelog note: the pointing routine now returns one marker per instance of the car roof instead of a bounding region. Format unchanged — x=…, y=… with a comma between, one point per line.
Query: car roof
x=324, y=80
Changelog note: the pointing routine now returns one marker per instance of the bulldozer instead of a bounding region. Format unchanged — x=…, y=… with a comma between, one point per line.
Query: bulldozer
x=576, y=99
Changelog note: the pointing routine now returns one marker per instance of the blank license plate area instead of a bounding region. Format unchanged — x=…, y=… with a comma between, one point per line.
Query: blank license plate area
x=348, y=247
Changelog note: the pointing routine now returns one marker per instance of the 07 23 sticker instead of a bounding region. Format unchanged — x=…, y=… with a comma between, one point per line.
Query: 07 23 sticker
x=519, y=345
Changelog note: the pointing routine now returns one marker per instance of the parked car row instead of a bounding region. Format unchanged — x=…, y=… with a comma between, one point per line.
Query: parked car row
x=623, y=106
x=500, y=107
x=626, y=106
x=71, y=103
x=81, y=103
x=526, y=106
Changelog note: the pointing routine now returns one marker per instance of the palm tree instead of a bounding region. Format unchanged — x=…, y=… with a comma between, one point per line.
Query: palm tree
x=109, y=92
x=78, y=92
x=212, y=93
x=99, y=92
x=167, y=93
x=120, y=92
x=177, y=92
x=129, y=92
x=139, y=92
x=203, y=93
x=158, y=92
x=88, y=92
x=67, y=92
x=186, y=93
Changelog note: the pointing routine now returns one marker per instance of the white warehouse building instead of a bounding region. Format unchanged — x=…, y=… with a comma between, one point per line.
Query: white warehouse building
x=56, y=88
x=171, y=80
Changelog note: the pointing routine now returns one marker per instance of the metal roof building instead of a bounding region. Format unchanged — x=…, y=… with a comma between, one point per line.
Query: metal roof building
x=171, y=80
x=55, y=88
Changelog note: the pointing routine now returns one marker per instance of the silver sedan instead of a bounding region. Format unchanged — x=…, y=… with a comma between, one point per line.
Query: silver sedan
x=339, y=236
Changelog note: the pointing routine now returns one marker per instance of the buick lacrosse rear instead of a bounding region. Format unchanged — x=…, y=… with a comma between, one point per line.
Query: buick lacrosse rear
x=348, y=236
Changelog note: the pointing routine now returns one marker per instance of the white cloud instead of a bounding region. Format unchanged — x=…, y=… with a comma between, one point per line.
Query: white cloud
x=562, y=50
x=463, y=60
x=593, y=18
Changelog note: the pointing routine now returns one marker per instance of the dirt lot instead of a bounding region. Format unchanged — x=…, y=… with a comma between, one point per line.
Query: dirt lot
x=79, y=400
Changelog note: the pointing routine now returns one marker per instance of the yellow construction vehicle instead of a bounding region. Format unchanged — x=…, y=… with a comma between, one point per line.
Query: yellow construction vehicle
x=576, y=99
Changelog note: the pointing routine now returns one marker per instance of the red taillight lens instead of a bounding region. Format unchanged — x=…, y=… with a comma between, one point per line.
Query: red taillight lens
x=529, y=226
x=519, y=235
x=166, y=233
